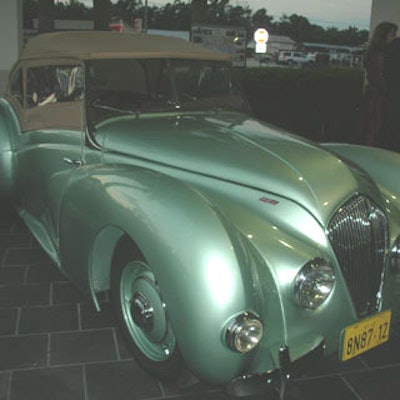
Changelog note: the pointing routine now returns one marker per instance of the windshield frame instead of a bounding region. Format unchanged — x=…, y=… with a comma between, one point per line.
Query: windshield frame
x=173, y=103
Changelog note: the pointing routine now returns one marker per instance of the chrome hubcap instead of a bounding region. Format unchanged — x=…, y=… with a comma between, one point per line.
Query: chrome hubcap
x=145, y=313
x=142, y=312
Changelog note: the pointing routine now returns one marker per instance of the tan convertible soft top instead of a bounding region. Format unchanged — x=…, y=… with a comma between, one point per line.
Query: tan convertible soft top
x=57, y=47
x=97, y=44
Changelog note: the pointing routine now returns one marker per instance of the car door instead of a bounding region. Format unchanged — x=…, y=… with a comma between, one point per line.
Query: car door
x=50, y=142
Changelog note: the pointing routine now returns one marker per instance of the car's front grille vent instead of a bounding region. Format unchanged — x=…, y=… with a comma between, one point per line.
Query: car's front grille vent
x=358, y=233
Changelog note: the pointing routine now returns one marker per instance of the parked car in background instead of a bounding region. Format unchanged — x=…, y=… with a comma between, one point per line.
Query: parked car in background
x=343, y=59
x=294, y=57
x=231, y=247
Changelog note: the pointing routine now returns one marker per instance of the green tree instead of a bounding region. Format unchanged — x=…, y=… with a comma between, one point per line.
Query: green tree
x=301, y=30
x=295, y=26
x=46, y=16
x=30, y=11
x=261, y=19
x=199, y=12
x=173, y=16
x=101, y=14
x=239, y=16
x=179, y=14
x=72, y=10
x=127, y=10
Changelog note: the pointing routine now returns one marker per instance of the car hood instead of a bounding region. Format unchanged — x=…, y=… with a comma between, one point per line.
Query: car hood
x=242, y=150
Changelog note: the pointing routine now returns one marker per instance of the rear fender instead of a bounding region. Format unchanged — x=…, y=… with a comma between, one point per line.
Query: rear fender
x=9, y=129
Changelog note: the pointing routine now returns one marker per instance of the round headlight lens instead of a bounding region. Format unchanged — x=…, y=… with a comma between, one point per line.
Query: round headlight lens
x=314, y=283
x=244, y=333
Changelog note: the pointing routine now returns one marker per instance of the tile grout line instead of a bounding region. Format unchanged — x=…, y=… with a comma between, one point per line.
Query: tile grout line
x=85, y=391
x=160, y=385
x=3, y=259
x=26, y=273
x=61, y=332
x=14, y=226
x=9, y=385
x=51, y=294
x=66, y=365
x=366, y=365
x=79, y=316
x=116, y=344
x=351, y=388
x=48, y=356
x=179, y=395
x=19, y=312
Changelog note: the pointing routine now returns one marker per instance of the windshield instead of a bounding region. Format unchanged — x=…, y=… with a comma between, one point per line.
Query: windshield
x=136, y=86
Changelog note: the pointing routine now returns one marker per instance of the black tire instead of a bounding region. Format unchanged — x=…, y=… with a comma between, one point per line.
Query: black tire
x=153, y=346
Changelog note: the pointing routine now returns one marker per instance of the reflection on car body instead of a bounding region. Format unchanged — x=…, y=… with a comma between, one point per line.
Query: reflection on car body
x=231, y=248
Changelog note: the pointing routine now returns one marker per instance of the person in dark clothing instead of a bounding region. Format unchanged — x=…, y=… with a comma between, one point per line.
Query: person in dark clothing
x=374, y=106
x=392, y=77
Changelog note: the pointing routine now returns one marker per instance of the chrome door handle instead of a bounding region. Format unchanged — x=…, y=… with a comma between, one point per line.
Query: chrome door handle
x=77, y=163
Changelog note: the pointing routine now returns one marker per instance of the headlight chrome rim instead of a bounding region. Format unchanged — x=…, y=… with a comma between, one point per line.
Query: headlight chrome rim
x=314, y=283
x=244, y=332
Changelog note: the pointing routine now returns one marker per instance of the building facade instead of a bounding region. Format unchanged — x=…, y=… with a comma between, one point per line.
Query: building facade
x=384, y=10
x=11, y=36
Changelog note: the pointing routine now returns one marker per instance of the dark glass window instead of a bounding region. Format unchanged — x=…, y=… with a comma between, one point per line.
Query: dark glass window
x=53, y=84
x=117, y=87
x=135, y=86
x=17, y=87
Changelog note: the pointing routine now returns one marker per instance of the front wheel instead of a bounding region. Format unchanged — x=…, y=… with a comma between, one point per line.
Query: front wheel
x=142, y=315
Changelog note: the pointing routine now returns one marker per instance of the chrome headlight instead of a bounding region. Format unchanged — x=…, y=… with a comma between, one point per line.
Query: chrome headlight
x=395, y=256
x=314, y=283
x=244, y=332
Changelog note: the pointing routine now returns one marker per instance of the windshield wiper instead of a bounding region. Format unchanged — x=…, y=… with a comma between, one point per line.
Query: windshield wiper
x=206, y=103
x=96, y=103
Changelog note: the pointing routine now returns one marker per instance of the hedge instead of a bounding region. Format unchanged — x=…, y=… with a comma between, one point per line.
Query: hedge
x=320, y=103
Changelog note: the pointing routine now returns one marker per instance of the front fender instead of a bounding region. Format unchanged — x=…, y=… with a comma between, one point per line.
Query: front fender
x=186, y=242
x=282, y=237
x=382, y=166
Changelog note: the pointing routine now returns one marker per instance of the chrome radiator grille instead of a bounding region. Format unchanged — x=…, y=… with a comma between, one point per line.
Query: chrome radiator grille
x=358, y=233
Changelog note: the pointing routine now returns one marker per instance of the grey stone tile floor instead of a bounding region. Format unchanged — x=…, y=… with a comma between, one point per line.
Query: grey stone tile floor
x=55, y=346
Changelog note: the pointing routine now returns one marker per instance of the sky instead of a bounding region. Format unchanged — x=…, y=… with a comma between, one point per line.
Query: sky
x=340, y=13
x=326, y=13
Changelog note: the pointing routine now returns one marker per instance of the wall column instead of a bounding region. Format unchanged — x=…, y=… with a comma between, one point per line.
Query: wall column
x=11, y=37
x=384, y=10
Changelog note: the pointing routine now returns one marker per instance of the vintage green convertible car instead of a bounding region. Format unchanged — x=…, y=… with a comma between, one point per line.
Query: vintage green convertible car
x=231, y=248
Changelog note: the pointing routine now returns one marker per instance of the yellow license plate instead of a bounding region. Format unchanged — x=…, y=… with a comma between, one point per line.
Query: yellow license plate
x=365, y=335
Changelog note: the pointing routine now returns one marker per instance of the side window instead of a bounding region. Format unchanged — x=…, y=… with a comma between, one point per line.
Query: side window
x=53, y=84
x=70, y=83
x=16, y=87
